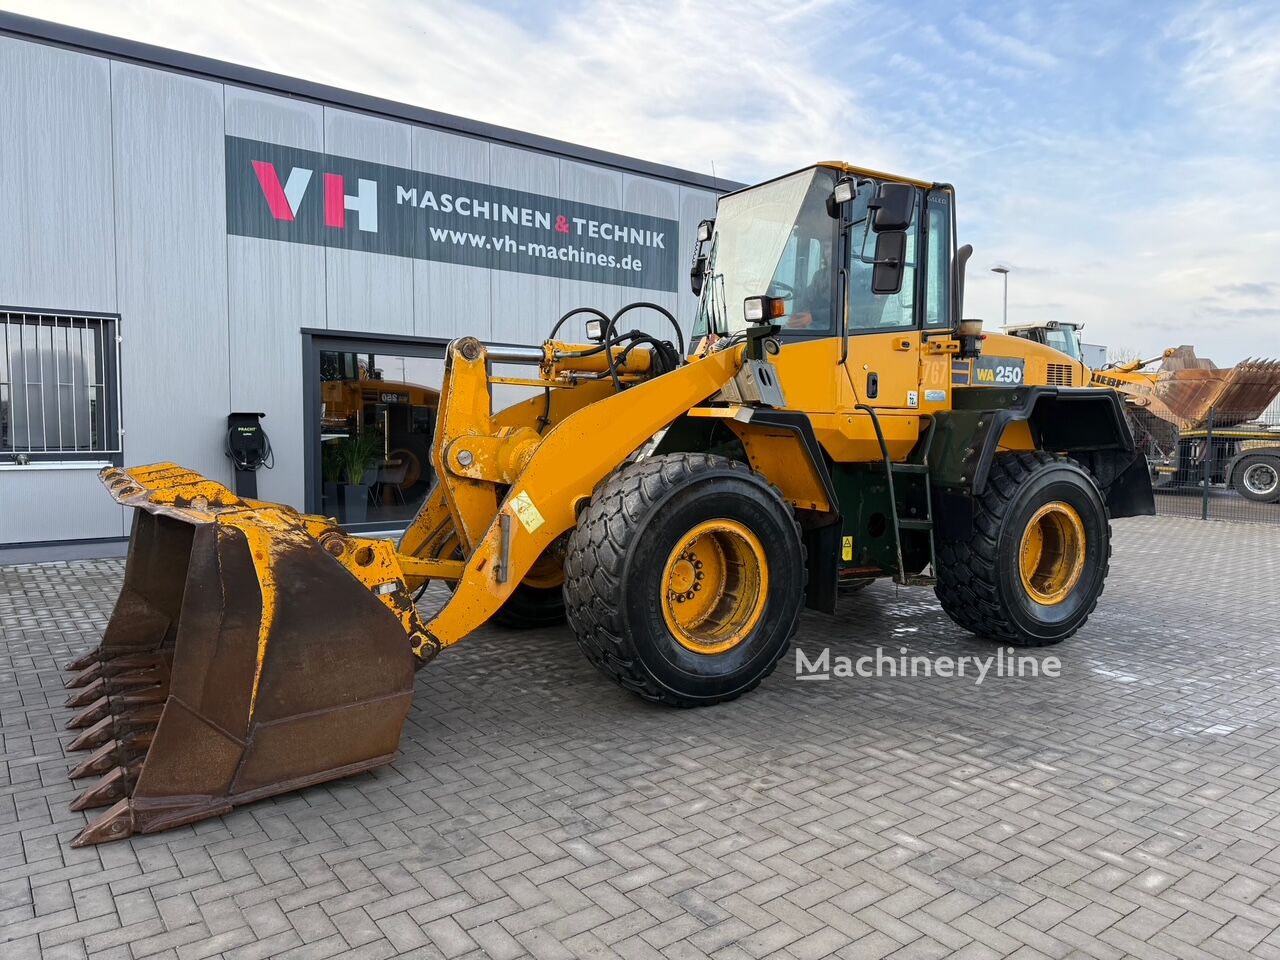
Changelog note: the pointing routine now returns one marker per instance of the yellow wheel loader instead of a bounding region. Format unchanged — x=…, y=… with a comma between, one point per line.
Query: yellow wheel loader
x=1194, y=421
x=683, y=506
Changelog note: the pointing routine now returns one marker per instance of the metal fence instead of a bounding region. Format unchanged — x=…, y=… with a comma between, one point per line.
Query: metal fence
x=59, y=387
x=1226, y=469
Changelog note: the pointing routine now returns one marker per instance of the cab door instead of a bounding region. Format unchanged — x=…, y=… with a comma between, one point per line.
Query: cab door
x=883, y=361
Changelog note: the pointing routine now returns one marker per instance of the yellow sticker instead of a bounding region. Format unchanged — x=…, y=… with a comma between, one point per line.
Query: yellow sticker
x=528, y=514
x=846, y=548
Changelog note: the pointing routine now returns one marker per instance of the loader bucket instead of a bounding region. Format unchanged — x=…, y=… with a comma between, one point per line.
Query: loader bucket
x=252, y=651
x=1190, y=387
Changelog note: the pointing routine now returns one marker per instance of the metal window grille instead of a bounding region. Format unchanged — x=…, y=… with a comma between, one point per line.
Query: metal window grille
x=59, y=387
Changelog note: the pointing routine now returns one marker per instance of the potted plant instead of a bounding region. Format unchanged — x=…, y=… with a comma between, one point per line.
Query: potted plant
x=355, y=456
x=331, y=472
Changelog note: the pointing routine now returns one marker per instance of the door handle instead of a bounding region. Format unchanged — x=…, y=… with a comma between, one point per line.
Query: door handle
x=873, y=385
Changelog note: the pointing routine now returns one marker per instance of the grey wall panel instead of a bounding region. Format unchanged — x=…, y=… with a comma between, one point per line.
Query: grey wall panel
x=261, y=116
x=57, y=231
x=275, y=290
x=588, y=184
x=366, y=291
x=450, y=300
x=524, y=306
x=55, y=504
x=172, y=273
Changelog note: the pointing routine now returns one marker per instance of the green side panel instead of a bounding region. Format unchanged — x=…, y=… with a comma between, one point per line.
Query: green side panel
x=863, y=492
x=975, y=422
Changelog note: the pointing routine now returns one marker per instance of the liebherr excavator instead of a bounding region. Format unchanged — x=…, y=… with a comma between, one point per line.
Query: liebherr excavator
x=682, y=508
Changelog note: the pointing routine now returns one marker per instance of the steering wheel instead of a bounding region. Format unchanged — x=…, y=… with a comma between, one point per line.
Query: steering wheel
x=781, y=291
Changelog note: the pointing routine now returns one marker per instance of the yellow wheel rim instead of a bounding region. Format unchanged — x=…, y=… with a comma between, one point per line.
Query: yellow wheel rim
x=714, y=586
x=1051, y=558
x=547, y=571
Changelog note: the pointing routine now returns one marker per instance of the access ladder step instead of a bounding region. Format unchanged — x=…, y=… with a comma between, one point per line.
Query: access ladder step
x=916, y=580
x=915, y=524
x=909, y=468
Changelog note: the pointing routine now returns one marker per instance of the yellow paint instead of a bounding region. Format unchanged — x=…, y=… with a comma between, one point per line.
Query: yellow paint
x=1051, y=555
x=1017, y=436
x=781, y=456
x=715, y=585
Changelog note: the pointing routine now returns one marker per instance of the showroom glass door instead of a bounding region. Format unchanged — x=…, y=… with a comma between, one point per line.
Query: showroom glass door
x=371, y=415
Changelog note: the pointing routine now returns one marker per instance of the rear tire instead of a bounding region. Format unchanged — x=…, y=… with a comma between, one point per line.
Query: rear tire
x=1035, y=564
x=1257, y=478
x=531, y=607
x=633, y=565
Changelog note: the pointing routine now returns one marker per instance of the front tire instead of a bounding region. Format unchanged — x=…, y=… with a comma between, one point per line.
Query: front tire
x=1032, y=570
x=685, y=579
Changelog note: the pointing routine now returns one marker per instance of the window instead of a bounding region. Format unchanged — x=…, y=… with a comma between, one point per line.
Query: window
x=937, y=262
x=868, y=312
x=371, y=428
x=776, y=240
x=59, y=387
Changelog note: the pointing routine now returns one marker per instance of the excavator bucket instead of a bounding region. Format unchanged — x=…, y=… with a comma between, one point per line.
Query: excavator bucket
x=1190, y=387
x=253, y=650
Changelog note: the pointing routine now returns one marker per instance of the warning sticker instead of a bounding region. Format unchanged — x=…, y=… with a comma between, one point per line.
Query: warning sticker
x=527, y=513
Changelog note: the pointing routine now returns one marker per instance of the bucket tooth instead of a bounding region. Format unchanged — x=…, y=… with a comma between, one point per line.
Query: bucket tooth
x=112, y=686
x=143, y=718
x=91, y=714
x=114, y=666
x=88, y=694
x=115, y=824
x=114, y=753
x=116, y=785
x=85, y=677
x=84, y=661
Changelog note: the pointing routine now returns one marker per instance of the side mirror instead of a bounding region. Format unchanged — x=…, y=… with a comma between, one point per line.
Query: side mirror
x=890, y=262
x=894, y=204
x=697, y=272
x=698, y=269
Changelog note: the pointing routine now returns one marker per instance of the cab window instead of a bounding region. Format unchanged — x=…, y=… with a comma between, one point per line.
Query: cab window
x=937, y=296
x=868, y=312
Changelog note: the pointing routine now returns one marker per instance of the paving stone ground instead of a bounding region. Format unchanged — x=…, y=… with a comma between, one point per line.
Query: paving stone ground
x=1127, y=808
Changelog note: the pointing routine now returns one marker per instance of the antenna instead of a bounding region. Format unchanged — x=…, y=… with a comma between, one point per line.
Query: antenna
x=714, y=178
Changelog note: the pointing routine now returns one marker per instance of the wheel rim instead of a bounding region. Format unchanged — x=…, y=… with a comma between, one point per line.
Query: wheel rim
x=714, y=586
x=1051, y=558
x=1261, y=479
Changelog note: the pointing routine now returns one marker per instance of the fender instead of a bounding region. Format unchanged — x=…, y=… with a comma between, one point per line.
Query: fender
x=1086, y=423
x=779, y=445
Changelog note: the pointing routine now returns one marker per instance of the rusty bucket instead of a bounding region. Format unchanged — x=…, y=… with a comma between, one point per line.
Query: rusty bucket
x=252, y=651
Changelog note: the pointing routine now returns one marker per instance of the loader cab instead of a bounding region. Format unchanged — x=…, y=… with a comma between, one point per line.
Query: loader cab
x=787, y=239
x=1056, y=334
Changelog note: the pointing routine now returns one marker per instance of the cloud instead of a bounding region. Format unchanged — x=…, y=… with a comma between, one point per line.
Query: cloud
x=1118, y=164
x=1232, y=72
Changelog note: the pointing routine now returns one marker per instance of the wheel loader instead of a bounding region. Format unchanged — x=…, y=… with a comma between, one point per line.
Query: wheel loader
x=680, y=504
x=1194, y=421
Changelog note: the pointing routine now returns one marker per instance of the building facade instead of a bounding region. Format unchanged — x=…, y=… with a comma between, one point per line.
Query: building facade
x=186, y=238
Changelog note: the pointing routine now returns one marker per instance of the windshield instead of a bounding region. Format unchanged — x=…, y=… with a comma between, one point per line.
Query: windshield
x=1065, y=340
x=775, y=239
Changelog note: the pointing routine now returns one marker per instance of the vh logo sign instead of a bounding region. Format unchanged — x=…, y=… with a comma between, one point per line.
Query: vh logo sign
x=284, y=200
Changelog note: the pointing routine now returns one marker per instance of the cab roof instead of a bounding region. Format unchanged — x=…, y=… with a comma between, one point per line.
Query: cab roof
x=874, y=174
x=849, y=169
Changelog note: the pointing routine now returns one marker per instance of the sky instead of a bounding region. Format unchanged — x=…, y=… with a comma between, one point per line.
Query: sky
x=1119, y=158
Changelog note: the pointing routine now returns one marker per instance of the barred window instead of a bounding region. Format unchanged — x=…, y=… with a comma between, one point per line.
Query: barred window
x=59, y=387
